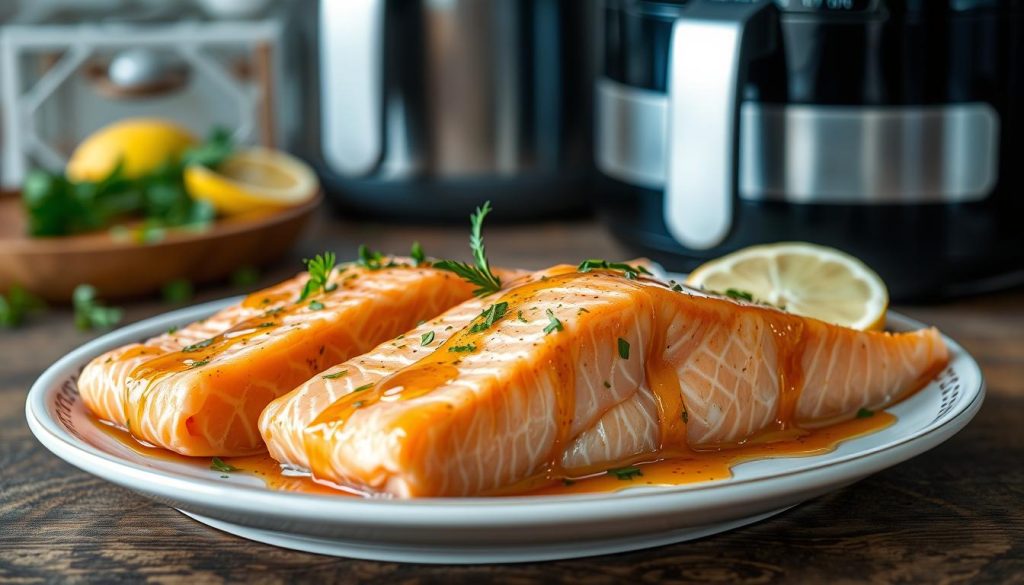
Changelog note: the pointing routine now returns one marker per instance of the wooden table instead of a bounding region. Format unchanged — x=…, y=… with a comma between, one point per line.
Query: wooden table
x=954, y=514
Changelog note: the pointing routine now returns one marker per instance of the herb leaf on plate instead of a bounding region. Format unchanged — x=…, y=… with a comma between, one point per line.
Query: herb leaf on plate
x=480, y=273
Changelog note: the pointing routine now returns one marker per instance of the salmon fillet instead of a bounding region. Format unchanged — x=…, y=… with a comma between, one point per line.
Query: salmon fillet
x=284, y=420
x=588, y=371
x=199, y=390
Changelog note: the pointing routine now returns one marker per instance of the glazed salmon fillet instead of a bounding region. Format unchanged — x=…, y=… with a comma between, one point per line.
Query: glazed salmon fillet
x=587, y=371
x=199, y=390
x=284, y=421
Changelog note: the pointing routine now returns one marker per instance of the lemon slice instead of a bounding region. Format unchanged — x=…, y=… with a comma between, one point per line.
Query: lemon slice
x=254, y=179
x=804, y=279
x=139, y=144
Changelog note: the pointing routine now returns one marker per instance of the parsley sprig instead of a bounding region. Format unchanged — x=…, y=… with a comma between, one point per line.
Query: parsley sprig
x=480, y=274
x=319, y=269
x=16, y=305
x=417, y=255
x=89, y=312
x=631, y=272
x=553, y=323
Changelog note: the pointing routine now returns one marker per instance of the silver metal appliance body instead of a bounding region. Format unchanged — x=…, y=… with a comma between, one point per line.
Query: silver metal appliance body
x=452, y=98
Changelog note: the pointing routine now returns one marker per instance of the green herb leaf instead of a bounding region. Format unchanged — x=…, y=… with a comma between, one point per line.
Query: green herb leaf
x=196, y=364
x=462, y=348
x=553, y=323
x=315, y=305
x=319, y=269
x=427, y=338
x=631, y=272
x=623, y=349
x=198, y=345
x=363, y=387
x=739, y=295
x=177, y=291
x=865, y=413
x=480, y=274
x=218, y=464
x=521, y=318
x=16, y=305
x=417, y=254
x=626, y=473
x=89, y=312
x=336, y=375
x=490, y=316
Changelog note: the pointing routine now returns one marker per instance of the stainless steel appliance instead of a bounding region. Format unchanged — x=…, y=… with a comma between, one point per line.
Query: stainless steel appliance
x=888, y=128
x=430, y=107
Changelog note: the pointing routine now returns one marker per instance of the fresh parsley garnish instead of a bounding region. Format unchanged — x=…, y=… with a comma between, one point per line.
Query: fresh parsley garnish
x=427, y=338
x=462, y=348
x=89, y=312
x=16, y=305
x=265, y=325
x=319, y=269
x=336, y=375
x=172, y=330
x=315, y=305
x=218, y=464
x=626, y=473
x=739, y=295
x=370, y=259
x=197, y=346
x=521, y=318
x=245, y=276
x=417, y=254
x=480, y=274
x=363, y=387
x=623, y=349
x=553, y=323
x=677, y=288
x=490, y=316
x=631, y=272
x=865, y=413
x=177, y=292
x=202, y=362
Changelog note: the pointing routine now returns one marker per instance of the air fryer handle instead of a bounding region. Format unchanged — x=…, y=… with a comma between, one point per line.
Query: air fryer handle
x=711, y=44
x=352, y=85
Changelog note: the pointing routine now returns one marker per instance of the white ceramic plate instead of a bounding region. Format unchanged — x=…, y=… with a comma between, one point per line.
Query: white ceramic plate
x=486, y=530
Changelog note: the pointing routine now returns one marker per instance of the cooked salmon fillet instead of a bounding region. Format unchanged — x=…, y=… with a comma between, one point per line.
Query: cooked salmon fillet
x=587, y=371
x=284, y=421
x=200, y=390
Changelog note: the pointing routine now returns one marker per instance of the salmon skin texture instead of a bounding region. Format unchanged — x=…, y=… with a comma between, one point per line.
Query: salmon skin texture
x=586, y=372
x=284, y=421
x=199, y=390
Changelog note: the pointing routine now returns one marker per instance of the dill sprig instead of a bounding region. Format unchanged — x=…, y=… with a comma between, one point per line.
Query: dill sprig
x=319, y=269
x=480, y=274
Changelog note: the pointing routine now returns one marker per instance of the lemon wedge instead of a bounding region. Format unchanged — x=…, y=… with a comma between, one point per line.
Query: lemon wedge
x=139, y=144
x=804, y=279
x=251, y=180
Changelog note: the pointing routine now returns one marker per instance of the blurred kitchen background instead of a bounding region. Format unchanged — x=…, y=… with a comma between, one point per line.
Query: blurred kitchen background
x=890, y=129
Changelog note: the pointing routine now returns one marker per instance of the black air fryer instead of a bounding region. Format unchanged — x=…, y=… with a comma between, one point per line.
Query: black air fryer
x=890, y=129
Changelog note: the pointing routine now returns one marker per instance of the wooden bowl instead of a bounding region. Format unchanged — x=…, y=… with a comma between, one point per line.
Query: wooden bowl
x=52, y=267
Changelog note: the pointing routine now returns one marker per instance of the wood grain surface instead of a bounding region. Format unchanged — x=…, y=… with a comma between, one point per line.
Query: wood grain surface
x=955, y=514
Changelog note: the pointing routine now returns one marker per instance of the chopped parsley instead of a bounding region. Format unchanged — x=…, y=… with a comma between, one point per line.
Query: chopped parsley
x=218, y=464
x=363, y=387
x=626, y=473
x=202, y=362
x=177, y=292
x=197, y=346
x=336, y=375
x=417, y=254
x=865, y=413
x=172, y=330
x=739, y=295
x=490, y=315
x=521, y=318
x=553, y=323
x=89, y=312
x=480, y=274
x=631, y=272
x=462, y=348
x=315, y=305
x=677, y=287
x=319, y=269
x=266, y=324
x=427, y=338
x=623, y=349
